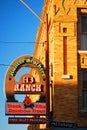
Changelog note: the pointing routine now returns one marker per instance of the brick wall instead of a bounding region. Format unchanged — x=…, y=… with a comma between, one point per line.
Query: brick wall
x=63, y=21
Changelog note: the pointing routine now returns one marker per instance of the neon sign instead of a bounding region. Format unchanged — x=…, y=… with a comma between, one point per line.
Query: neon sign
x=27, y=85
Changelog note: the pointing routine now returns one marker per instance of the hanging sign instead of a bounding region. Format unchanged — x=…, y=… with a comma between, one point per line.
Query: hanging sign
x=27, y=85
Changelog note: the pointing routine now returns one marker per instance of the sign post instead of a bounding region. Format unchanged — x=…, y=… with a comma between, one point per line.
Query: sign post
x=47, y=74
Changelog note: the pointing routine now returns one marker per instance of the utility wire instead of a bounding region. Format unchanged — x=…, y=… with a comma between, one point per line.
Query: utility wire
x=32, y=11
x=8, y=65
x=30, y=42
x=5, y=65
x=14, y=42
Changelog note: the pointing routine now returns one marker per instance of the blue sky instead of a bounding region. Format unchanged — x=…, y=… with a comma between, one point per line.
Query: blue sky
x=18, y=27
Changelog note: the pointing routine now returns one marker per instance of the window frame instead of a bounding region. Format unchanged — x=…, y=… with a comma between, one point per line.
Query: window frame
x=82, y=33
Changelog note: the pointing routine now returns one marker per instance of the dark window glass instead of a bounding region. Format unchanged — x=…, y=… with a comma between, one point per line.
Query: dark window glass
x=84, y=32
x=84, y=89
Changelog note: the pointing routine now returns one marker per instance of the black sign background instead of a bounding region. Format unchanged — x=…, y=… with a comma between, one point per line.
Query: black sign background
x=63, y=124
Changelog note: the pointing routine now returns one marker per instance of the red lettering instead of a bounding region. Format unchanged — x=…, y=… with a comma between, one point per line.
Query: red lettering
x=14, y=105
x=37, y=111
x=41, y=105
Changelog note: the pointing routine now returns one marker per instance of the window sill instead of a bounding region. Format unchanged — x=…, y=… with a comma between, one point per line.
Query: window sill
x=83, y=112
x=82, y=51
x=66, y=76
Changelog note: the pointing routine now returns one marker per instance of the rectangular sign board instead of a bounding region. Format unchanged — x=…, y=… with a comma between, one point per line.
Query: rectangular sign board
x=63, y=124
x=20, y=109
x=18, y=120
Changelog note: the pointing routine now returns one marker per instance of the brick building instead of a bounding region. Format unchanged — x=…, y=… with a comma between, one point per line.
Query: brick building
x=67, y=31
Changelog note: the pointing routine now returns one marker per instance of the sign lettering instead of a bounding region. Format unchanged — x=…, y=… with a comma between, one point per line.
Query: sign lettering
x=63, y=124
x=24, y=61
x=28, y=88
x=27, y=85
x=19, y=109
x=18, y=120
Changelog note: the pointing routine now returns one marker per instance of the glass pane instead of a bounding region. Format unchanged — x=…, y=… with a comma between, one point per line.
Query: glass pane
x=84, y=41
x=84, y=92
x=85, y=99
x=84, y=23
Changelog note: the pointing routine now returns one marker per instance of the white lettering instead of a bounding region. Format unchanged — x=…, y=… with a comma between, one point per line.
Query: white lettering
x=16, y=87
x=38, y=88
x=28, y=80
x=27, y=87
x=33, y=88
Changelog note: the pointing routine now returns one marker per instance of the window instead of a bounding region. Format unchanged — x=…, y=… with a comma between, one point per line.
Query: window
x=84, y=32
x=84, y=89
